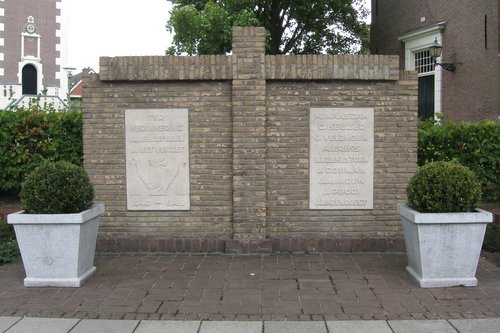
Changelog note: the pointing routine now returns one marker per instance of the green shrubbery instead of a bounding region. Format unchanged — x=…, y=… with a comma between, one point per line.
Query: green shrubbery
x=57, y=188
x=6, y=231
x=30, y=135
x=9, y=251
x=475, y=145
x=8, y=245
x=442, y=187
x=492, y=238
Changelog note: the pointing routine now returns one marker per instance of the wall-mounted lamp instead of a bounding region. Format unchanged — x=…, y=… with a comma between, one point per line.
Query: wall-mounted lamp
x=435, y=51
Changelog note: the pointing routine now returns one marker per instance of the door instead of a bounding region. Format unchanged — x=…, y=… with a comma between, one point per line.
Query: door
x=426, y=97
x=30, y=80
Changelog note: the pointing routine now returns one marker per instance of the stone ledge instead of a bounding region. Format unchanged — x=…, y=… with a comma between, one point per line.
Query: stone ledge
x=332, y=67
x=165, y=68
x=247, y=246
x=275, y=67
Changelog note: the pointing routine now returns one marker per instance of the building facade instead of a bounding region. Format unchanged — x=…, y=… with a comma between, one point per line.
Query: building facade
x=31, y=53
x=468, y=31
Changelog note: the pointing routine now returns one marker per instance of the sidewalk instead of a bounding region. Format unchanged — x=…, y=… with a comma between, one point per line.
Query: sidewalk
x=317, y=289
x=51, y=325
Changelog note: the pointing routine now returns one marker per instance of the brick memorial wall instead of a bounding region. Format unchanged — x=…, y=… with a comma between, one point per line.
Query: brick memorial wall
x=250, y=152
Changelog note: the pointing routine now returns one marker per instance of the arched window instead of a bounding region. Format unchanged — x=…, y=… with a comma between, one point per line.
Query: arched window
x=30, y=80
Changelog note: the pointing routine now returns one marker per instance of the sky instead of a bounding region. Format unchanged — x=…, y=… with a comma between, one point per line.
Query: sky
x=116, y=28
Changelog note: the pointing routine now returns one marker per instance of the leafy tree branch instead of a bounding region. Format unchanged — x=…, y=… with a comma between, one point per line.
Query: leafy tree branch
x=293, y=26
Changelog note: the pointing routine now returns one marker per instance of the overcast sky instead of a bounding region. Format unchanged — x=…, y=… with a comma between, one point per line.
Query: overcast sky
x=115, y=28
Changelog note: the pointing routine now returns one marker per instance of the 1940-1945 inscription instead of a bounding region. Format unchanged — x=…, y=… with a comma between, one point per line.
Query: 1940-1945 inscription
x=157, y=157
x=341, y=158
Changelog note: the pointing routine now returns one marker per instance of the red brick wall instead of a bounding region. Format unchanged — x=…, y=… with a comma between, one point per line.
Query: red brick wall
x=249, y=139
x=288, y=105
x=209, y=105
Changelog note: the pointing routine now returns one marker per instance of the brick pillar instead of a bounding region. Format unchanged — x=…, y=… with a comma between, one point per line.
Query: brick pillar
x=249, y=133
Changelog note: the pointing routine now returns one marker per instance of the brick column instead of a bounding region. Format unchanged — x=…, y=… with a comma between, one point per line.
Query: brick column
x=249, y=133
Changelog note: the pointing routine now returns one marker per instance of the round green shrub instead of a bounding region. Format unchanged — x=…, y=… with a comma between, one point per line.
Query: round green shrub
x=57, y=188
x=443, y=187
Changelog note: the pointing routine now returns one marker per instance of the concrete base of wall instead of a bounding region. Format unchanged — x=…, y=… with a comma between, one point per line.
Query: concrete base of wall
x=248, y=246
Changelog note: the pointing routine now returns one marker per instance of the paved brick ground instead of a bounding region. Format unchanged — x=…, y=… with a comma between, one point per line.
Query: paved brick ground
x=260, y=287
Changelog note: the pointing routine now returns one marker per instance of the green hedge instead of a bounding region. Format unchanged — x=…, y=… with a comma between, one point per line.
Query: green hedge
x=29, y=136
x=475, y=145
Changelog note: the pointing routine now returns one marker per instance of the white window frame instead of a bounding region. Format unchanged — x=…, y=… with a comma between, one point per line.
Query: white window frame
x=427, y=65
x=420, y=40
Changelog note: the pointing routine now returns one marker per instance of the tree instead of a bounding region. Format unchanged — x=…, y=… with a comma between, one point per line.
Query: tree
x=293, y=26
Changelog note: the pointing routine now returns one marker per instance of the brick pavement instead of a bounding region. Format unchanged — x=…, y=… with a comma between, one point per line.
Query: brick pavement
x=253, y=287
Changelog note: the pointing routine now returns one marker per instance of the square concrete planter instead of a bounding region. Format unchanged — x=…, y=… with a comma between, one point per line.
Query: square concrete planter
x=443, y=249
x=57, y=249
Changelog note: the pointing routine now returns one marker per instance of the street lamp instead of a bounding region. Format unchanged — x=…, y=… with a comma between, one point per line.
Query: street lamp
x=435, y=51
x=69, y=71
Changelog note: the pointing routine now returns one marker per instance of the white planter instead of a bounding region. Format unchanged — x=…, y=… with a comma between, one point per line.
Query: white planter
x=57, y=249
x=443, y=249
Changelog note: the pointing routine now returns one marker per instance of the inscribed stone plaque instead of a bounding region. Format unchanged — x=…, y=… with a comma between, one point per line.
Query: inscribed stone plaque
x=341, y=158
x=157, y=154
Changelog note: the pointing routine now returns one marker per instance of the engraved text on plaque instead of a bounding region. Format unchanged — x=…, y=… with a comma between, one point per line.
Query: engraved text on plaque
x=341, y=158
x=157, y=157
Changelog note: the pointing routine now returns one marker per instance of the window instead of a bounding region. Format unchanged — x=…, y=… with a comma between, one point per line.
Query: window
x=423, y=62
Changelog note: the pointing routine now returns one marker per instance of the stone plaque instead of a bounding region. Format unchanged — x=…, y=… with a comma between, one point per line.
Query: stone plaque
x=157, y=157
x=341, y=158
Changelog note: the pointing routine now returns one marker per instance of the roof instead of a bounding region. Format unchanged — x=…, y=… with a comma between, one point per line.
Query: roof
x=76, y=84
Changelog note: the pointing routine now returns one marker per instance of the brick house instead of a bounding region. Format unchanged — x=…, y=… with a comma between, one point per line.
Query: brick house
x=468, y=31
x=31, y=53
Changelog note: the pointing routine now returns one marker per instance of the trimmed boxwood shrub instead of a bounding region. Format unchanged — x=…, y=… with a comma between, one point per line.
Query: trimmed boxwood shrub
x=57, y=188
x=443, y=187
